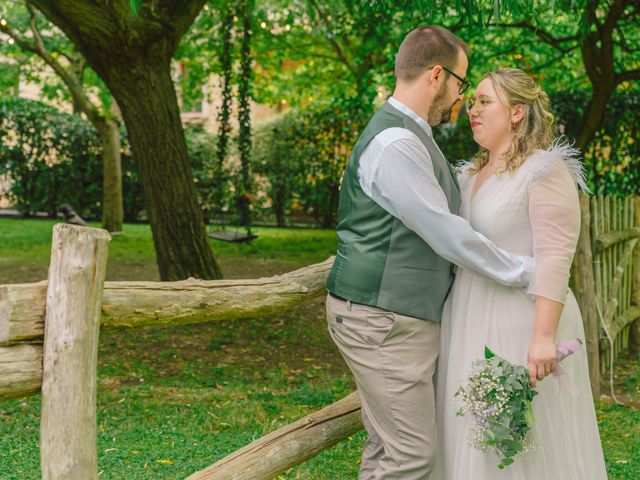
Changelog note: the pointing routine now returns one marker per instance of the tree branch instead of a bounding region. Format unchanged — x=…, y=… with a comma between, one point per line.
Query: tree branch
x=542, y=34
x=542, y=66
x=590, y=12
x=305, y=49
x=615, y=12
x=72, y=82
x=627, y=76
x=58, y=15
x=333, y=42
x=62, y=54
x=88, y=24
x=19, y=39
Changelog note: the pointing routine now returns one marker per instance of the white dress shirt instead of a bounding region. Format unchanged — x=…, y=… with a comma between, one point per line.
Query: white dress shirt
x=396, y=172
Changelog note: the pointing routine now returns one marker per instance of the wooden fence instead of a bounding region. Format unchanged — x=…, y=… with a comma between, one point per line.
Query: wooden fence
x=66, y=313
x=616, y=228
x=606, y=277
x=49, y=342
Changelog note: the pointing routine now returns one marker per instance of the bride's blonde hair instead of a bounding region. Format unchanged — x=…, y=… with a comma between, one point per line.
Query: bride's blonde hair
x=535, y=130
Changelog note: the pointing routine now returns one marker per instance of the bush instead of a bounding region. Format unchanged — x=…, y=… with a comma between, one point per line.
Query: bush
x=302, y=154
x=202, y=151
x=37, y=152
x=53, y=158
x=298, y=158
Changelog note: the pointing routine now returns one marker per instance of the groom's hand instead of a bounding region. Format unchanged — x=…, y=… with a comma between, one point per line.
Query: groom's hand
x=542, y=358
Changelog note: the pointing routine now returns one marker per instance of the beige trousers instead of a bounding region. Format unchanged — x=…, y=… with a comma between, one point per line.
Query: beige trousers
x=393, y=359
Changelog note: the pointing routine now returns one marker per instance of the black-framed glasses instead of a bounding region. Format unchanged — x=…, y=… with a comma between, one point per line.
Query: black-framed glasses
x=464, y=83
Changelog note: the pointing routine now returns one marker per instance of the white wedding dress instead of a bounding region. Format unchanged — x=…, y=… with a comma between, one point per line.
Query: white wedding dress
x=534, y=211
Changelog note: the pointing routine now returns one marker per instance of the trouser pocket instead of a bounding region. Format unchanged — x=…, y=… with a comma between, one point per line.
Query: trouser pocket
x=378, y=327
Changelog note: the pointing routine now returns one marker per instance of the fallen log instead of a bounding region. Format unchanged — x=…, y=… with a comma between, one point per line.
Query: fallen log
x=288, y=446
x=145, y=304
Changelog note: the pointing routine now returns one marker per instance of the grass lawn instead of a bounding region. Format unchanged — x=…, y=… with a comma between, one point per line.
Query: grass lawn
x=173, y=401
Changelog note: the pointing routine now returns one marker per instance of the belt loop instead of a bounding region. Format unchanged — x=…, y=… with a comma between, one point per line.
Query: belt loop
x=349, y=305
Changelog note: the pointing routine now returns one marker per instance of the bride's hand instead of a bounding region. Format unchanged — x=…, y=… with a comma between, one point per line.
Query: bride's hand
x=542, y=358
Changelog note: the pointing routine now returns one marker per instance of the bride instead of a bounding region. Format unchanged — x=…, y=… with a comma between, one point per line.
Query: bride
x=520, y=192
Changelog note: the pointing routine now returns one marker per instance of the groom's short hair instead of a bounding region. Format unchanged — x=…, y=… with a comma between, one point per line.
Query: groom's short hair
x=425, y=47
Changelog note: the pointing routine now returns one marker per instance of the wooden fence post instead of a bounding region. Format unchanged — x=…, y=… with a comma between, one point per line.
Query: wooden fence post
x=72, y=323
x=586, y=292
x=634, y=334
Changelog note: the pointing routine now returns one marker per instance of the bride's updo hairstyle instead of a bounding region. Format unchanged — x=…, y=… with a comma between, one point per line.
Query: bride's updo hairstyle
x=535, y=130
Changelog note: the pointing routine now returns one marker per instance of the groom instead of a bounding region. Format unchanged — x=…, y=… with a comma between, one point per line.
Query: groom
x=399, y=236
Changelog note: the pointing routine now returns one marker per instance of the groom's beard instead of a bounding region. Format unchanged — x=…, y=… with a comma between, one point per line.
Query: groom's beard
x=440, y=113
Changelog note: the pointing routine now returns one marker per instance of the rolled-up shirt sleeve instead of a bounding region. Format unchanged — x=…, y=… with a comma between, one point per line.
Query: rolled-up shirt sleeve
x=397, y=173
x=554, y=213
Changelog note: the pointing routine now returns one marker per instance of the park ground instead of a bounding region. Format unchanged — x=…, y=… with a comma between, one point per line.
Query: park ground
x=172, y=401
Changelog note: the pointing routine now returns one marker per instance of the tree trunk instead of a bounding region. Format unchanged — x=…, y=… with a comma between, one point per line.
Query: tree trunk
x=147, y=97
x=112, y=209
x=594, y=115
x=132, y=54
x=597, y=50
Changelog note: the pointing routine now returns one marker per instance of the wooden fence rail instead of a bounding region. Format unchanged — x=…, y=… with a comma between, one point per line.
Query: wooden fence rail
x=142, y=304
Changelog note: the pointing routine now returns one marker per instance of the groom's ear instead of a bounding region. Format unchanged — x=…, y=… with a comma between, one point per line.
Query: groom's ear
x=433, y=74
x=517, y=113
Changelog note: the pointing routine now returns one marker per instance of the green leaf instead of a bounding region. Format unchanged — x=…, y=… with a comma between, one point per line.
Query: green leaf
x=507, y=461
x=528, y=415
x=135, y=6
x=488, y=353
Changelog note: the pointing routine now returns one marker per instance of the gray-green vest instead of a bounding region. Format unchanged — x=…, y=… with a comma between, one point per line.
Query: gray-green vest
x=379, y=261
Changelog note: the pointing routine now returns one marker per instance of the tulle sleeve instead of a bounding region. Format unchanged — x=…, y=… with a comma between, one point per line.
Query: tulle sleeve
x=554, y=212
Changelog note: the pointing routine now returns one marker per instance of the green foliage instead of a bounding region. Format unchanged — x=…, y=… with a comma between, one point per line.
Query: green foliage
x=497, y=396
x=302, y=154
x=135, y=6
x=30, y=67
x=53, y=158
x=244, y=193
x=224, y=112
x=613, y=158
x=49, y=158
x=212, y=177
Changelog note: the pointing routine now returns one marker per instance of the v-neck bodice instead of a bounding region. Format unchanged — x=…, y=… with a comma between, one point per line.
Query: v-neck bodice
x=498, y=209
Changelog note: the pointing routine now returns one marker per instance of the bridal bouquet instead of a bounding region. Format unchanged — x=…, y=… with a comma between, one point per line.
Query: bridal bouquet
x=497, y=395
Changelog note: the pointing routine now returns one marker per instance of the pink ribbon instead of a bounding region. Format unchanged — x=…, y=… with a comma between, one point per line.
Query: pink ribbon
x=564, y=350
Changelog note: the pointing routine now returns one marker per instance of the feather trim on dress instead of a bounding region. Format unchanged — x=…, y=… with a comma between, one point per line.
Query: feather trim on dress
x=545, y=161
